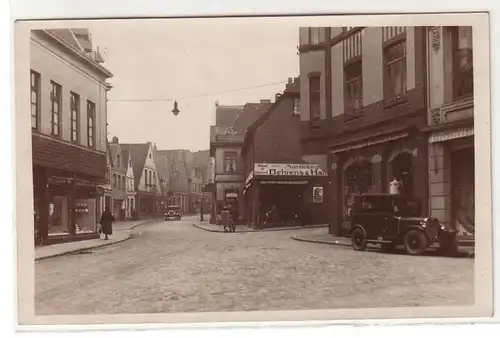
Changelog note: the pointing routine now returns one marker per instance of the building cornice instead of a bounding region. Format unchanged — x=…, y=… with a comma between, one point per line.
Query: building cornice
x=78, y=53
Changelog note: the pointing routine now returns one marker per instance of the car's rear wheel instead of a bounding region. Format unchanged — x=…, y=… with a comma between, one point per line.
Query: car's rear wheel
x=358, y=239
x=415, y=242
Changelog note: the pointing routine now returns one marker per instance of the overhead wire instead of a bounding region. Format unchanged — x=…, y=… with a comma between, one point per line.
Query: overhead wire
x=196, y=96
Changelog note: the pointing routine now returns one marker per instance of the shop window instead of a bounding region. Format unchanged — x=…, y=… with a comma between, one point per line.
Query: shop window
x=55, y=100
x=315, y=97
x=395, y=70
x=91, y=116
x=35, y=99
x=75, y=114
x=463, y=71
x=357, y=180
x=353, y=87
x=230, y=159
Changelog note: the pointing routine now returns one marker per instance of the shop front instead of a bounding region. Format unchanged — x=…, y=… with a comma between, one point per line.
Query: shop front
x=452, y=179
x=364, y=167
x=67, y=202
x=286, y=194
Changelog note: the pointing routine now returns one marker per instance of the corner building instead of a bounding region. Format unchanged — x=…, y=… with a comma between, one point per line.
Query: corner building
x=363, y=111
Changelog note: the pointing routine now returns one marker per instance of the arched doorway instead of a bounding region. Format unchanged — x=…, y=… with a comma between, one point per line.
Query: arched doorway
x=401, y=168
x=357, y=180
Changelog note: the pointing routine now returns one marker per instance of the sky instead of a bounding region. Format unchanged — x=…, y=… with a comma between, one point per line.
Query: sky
x=181, y=59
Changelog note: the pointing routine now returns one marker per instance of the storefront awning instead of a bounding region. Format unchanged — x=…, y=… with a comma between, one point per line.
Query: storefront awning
x=443, y=136
x=362, y=144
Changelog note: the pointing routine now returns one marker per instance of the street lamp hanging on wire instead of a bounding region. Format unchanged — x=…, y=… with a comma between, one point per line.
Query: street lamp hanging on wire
x=176, y=110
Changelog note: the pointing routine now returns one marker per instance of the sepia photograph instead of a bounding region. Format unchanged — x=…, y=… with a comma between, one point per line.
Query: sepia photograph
x=253, y=169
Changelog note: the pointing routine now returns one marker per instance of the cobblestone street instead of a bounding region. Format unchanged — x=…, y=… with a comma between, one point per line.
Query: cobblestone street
x=174, y=267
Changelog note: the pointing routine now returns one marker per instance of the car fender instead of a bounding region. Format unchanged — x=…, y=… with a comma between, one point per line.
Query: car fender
x=415, y=227
x=358, y=226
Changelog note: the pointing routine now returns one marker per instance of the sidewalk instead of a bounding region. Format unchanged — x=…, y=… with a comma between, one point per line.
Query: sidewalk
x=206, y=226
x=325, y=238
x=121, y=232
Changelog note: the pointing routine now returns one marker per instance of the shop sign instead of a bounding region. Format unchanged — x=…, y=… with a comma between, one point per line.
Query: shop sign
x=231, y=195
x=318, y=194
x=284, y=182
x=287, y=169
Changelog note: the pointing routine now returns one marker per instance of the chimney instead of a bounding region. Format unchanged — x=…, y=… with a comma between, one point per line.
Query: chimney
x=290, y=80
x=277, y=96
x=115, y=140
x=216, y=103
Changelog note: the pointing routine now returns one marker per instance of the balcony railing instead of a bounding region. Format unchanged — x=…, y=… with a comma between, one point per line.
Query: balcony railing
x=226, y=134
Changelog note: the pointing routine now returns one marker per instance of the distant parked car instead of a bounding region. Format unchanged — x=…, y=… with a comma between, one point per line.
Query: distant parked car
x=390, y=220
x=173, y=212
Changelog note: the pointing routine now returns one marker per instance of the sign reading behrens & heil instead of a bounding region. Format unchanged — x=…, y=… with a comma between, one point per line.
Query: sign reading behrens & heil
x=287, y=169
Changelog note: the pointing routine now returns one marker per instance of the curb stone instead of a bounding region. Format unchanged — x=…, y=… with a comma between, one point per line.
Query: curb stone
x=73, y=251
x=317, y=241
x=261, y=230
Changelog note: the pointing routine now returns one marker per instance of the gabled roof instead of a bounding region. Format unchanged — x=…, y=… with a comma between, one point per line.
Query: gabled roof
x=138, y=152
x=292, y=88
x=250, y=113
x=116, y=149
x=225, y=115
x=201, y=159
x=179, y=158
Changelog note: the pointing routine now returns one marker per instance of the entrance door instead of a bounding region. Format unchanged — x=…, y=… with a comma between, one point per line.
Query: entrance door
x=402, y=169
x=462, y=190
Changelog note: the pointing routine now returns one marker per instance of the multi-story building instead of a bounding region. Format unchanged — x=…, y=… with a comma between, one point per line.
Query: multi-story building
x=280, y=187
x=226, y=140
x=200, y=173
x=130, y=184
x=363, y=111
x=145, y=177
x=68, y=120
x=176, y=175
x=451, y=126
x=118, y=178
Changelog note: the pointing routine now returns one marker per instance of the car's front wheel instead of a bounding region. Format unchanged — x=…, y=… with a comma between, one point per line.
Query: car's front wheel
x=358, y=239
x=415, y=242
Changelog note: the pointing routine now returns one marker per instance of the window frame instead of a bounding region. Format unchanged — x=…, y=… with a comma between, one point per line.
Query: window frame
x=315, y=97
x=349, y=108
x=91, y=117
x=35, y=81
x=230, y=157
x=296, y=106
x=458, y=75
x=75, y=117
x=55, y=97
x=399, y=39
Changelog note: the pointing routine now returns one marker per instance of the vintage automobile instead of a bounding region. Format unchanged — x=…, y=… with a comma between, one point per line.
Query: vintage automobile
x=173, y=212
x=391, y=220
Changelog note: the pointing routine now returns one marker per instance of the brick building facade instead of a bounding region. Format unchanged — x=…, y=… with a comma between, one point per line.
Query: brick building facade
x=279, y=185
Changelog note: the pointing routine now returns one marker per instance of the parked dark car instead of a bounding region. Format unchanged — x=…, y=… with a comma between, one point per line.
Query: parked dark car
x=173, y=212
x=391, y=220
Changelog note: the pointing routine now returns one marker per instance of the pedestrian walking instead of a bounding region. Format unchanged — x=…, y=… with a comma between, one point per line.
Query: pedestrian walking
x=106, y=223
